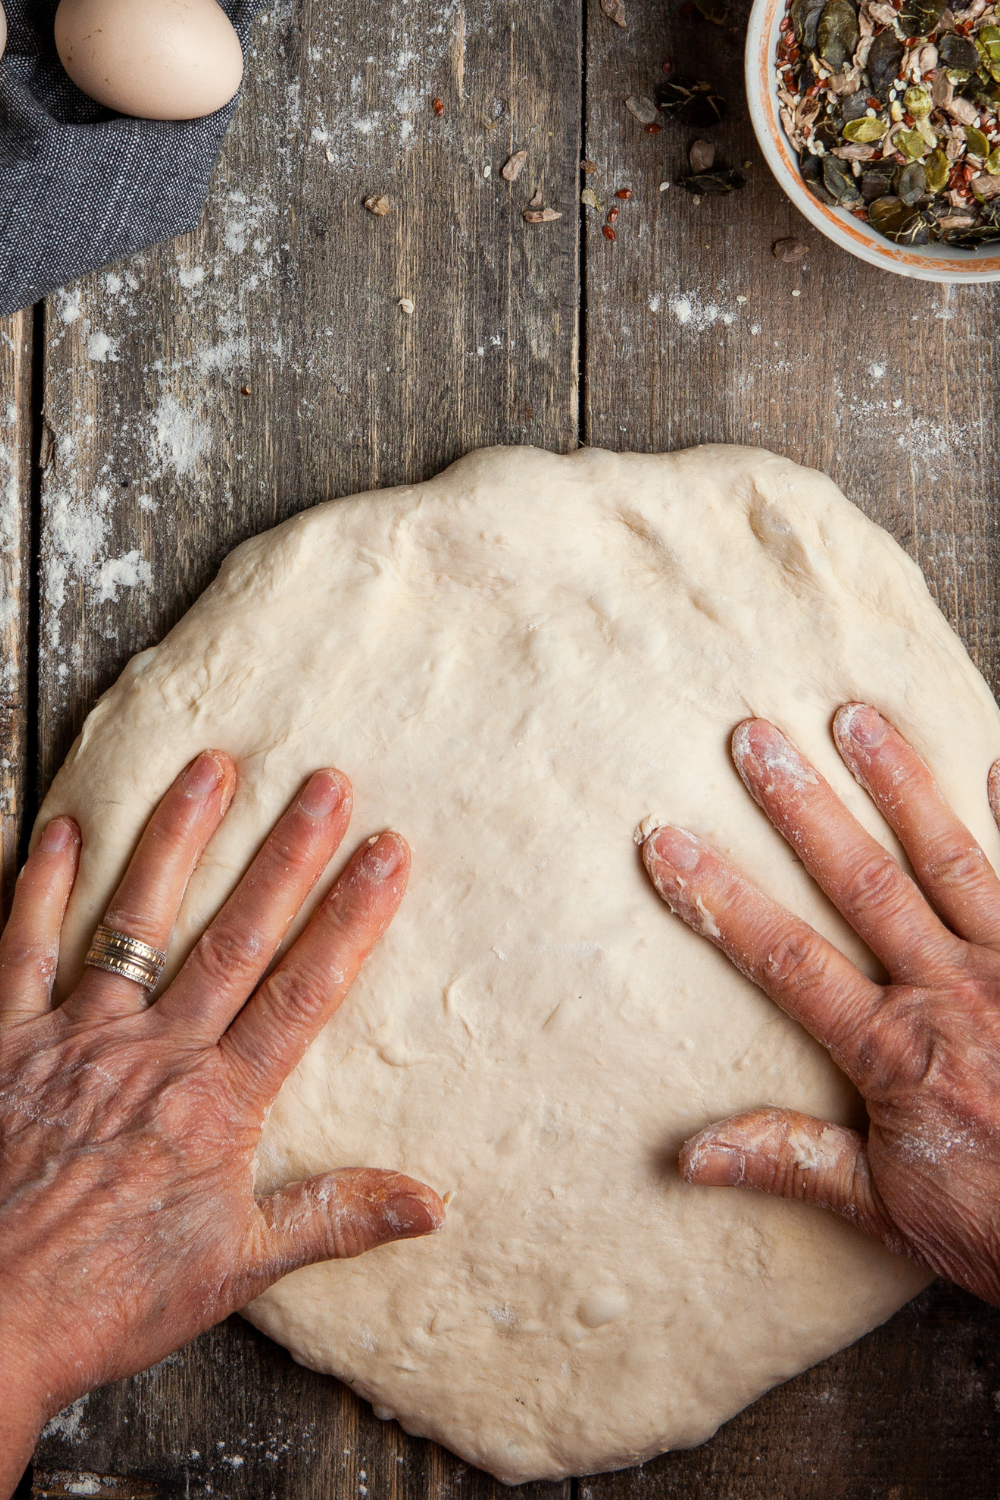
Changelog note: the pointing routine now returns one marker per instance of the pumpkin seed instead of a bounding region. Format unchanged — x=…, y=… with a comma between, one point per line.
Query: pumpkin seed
x=865, y=130
x=957, y=51
x=920, y=17
x=805, y=20
x=992, y=162
x=911, y=184
x=883, y=63
x=911, y=143
x=837, y=34
x=838, y=179
x=723, y=180
x=977, y=142
x=691, y=101
x=936, y=171
x=917, y=102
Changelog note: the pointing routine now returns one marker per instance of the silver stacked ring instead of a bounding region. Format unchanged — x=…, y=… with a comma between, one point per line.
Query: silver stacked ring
x=120, y=954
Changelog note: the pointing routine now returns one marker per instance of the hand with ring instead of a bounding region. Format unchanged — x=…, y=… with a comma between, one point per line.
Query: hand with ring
x=128, y=1220
x=922, y=1047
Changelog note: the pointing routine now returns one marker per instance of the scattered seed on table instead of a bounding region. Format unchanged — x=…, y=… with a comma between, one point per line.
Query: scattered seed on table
x=406, y=305
x=702, y=156
x=541, y=215
x=789, y=250
x=587, y=165
x=624, y=193
x=796, y=293
x=652, y=129
x=513, y=167
x=612, y=216
x=615, y=11
x=437, y=105
x=608, y=232
x=536, y=201
x=643, y=108
x=590, y=198
x=379, y=206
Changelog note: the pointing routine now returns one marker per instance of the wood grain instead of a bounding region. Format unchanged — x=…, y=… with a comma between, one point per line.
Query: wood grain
x=16, y=433
x=693, y=333
x=207, y=389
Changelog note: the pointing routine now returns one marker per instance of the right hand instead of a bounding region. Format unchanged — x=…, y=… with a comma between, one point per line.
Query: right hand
x=128, y=1219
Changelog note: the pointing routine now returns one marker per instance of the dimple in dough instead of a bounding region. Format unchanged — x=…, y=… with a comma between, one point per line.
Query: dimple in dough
x=516, y=664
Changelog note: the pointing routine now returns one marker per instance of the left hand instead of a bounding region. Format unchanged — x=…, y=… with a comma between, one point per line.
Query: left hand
x=128, y=1218
x=922, y=1049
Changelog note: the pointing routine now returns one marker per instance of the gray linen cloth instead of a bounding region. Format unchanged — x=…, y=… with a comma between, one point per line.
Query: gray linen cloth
x=81, y=186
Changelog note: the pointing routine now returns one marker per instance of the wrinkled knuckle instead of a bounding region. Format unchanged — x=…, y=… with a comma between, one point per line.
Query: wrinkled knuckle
x=793, y=960
x=223, y=953
x=873, y=884
x=297, y=993
x=961, y=866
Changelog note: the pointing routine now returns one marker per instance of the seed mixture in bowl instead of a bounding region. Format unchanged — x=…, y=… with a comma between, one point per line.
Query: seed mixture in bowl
x=892, y=106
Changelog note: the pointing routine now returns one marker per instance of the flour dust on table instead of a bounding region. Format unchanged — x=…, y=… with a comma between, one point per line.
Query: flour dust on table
x=516, y=664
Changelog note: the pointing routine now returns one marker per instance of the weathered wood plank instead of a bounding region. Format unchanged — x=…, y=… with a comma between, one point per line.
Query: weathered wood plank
x=693, y=333
x=204, y=391
x=16, y=430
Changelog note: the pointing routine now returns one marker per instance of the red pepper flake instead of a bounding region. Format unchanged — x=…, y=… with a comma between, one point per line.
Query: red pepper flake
x=609, y=233
x=874, y=104
x=653, y=129
x=437, y=105
x=624, y=193
x=908, y=119
x=612, y=216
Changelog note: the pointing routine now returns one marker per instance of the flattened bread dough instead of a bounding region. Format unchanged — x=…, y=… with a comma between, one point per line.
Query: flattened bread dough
x=516, y=663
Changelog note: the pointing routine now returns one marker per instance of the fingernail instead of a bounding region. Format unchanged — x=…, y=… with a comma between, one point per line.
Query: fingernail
x=320, y=795
x=861, y=724
x=382, y=858
x=59, y=834
x=408, y=1217
x=202, y=776
x=715, y=1166
x=676, y=848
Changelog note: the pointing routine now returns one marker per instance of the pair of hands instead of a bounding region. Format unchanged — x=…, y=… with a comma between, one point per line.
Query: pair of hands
x=128, y=1221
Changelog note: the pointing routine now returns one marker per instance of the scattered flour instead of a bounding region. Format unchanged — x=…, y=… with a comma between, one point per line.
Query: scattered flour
x=67, y=1424
x=101, y=348
x=179, y=438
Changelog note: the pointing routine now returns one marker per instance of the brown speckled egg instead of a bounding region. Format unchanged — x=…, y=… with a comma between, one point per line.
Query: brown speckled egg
x=158, y=59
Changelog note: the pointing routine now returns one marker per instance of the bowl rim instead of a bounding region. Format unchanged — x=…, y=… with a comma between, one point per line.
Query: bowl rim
x=837, y=224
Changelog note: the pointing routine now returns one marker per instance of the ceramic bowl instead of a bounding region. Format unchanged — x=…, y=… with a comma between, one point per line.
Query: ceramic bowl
x=926, y=262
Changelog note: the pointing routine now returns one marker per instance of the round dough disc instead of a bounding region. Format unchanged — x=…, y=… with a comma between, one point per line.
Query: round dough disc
x=516, y=663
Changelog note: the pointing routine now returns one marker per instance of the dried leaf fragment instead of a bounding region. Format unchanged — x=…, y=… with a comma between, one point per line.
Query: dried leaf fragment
x=536, y=201
x=379, y=206
x=514, y=166
x=789, y=250
x=589, y=197
x=643, y=108
x=587, y=165
x=541, y=215
x=615, y=11
x=702, y=156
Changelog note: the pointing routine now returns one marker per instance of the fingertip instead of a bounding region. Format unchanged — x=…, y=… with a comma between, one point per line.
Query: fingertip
x=386, y=855
x=61, y=834
x=993, y=790
x=858, y=726
x=705, y=1162
x=413, y=1214
x=672, y=847
x=327, y=791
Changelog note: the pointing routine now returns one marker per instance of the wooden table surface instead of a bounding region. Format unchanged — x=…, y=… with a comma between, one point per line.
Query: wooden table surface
x=156, y=413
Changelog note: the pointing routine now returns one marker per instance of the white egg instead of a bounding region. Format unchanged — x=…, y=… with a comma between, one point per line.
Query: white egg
x=158, y=59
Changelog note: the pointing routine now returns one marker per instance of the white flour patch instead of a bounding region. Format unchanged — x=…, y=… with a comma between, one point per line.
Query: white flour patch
x=179, y=438
x=692, y=312
x=190, y=277
x=128, y=571
x=67, y=1424
x=101, y=348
